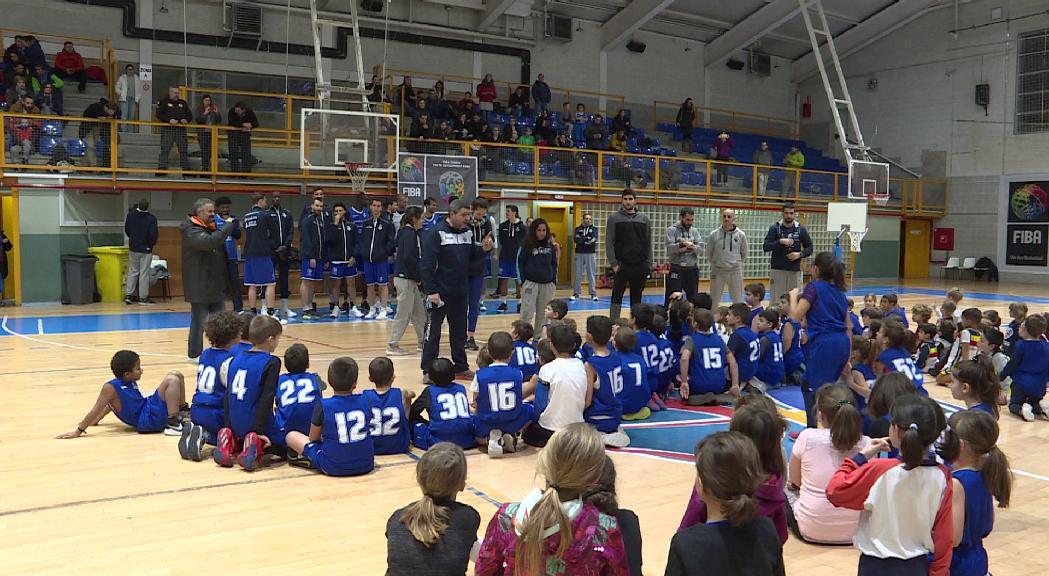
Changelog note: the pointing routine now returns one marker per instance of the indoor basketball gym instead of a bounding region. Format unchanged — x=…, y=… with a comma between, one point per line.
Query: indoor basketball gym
x=922, y=125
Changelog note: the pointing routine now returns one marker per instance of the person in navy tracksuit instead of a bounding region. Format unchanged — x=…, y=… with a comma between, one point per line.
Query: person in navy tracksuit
x=280, y=240
x=378, y=240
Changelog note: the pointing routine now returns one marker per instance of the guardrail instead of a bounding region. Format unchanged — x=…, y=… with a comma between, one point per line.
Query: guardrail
x=120, y=149
x=730, y=120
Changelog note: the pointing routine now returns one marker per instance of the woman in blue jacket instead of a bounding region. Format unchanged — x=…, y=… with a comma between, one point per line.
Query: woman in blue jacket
x=537, y=268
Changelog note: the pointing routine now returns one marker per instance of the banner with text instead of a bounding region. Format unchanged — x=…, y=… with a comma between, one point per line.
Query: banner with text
x=1027, y=226
x=421, y=176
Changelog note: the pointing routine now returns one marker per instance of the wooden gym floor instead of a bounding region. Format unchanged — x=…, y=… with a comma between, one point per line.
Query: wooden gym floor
x=116, y=502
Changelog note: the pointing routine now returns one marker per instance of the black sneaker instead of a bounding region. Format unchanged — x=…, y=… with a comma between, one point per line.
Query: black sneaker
x=502, y=307
x=298, y=460
x=345, y=306
x=471, y=344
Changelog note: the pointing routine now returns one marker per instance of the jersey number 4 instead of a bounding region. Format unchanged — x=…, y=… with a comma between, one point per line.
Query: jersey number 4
x=239, y=386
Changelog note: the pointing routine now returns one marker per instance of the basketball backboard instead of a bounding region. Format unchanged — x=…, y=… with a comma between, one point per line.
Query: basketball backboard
x=868, y=180
x=842, y=215
x=329, y=139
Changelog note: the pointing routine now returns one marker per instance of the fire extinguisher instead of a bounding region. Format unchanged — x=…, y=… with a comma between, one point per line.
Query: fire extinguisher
x=806, y=108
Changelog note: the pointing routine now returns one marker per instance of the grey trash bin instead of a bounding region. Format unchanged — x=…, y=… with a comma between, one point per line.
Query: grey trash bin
x=79, y=284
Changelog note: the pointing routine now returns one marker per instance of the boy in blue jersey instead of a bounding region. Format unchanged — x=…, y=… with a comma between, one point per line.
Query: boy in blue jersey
x=753, y=296
x=668, y=359
x=258, y=264
x=207, y=414
x=634, y=391
x=252, y=377
x=163, y=411
x=770, y=372
x=704, y=359
x=895, y=357
x=888, y=305
x=447, y=410
x=604, y=410
x=298, y=391
x=390, y=430
x=244, y=344
x=524, y=356
x=1029, y=368
x=647, y=347
x=744, y=346
x=1017, y=315
x=790, y=336
x=340, y=441
x=498, y=393
x=857, y=326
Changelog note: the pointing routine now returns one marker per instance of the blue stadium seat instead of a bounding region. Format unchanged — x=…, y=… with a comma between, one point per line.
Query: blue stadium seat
x=47, y=144
x=76, y=147
x=51, y=127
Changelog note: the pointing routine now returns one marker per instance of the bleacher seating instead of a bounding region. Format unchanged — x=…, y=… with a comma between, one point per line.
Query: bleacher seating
x=747, y=144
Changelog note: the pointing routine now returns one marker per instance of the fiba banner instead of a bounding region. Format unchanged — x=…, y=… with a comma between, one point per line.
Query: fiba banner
x=421, y=176
x=1027, y=228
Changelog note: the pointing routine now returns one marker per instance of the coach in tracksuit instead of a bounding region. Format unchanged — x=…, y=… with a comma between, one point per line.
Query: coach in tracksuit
x=281, y=235
x=727, y=252
x=628, y=249
x=377, y=242
x=684, y=245
x=311, y=250
x=789, y=243
x=585, y=257
x=447, y=250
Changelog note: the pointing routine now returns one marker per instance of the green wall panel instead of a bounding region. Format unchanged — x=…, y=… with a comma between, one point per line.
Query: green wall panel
x=42, y=261
x=879, y=259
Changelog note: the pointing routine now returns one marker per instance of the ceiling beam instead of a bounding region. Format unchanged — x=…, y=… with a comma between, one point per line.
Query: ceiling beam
x=494, y=9
x=858, y=36
x=628, y=20
x=761, y=22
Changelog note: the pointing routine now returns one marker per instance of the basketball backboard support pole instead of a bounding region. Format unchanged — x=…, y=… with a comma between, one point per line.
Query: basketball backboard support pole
x=325, y=86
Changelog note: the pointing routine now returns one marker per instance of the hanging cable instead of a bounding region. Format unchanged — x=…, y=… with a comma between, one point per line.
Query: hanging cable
x=185, y=46
x=385, y=44
x=287, y=45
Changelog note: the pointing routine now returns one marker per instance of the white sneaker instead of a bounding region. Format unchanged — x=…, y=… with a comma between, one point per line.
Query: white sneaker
x=509, y=443
x=595, y=298
x=495, y=443
x=283, y=321
x=265, y=311
x=617, y=439
x=335, y=312
x=371, y=313
x=389, y=310
x=573, y=298
x=1026, y=412
x=173, y=430
x=481, y=307
x=355, y=312
x=1044, y=405
x=290, y=313
x=382, y=315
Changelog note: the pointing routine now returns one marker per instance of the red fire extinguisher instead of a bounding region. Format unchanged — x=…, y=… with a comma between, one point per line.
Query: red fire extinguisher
x=806, y=108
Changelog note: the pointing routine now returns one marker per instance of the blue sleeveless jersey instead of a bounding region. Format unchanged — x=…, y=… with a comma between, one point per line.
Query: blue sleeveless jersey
x=605, y=410
x=635, y=392
x=210, y=389
x=648, y=348
x=243, y=390
x=359, y=217
x=499, y=396
x=585, y=352
x=239, y=348
x=827, y=314
x=669, y=364
x=970, y=558
x=390, y=430
x=450, y=418
x=142, y=414
x=706, y=367
x=770, y=364
x=857, y=326
x=1033, y=372
x=524, y=359
x=747, y=361
x=898, y=360
x=861, y=402
x=297, y=395
x=346, y=433
x=793, y=357
x=431, y=221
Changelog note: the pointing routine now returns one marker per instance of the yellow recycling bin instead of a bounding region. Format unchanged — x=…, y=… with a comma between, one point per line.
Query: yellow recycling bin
x=110, y=271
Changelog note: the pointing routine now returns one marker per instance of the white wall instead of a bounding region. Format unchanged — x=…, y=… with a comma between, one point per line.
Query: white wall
x=743, y=92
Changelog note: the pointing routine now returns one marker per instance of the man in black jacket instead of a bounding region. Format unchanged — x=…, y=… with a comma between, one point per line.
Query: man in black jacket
x=585, y=258
x=789, y=243
x=312, y=238
x=480, y=266
x=244, y=121
x=204, y=280
x=451, y=244
x=175, y=112
x=628, y=249
x=280, y=240
x=376, y=245
x=141, y=229
x=89, y=131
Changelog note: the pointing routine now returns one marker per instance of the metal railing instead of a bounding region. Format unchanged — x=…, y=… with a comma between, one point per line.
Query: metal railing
x=95, y=51
x=730, y=120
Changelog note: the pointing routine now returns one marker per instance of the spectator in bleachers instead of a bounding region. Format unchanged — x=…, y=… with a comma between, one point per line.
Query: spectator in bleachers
x=541, y=94
x=42, y=76
x=562, y=140
x=794, y=160
x=376, y=88
x=421, y=105
x=129, y=93
x=618, y=141
x=69, y=64
x=581, y=117
x=48, y=101
x=405, y=97
x=243, y=119
x=32, y=53
x=461, y=128
x=207, y=114
x=621, y=122
x=583, y=173
x=477, y=126
x=12, y=54
x=519, y=103
x=91, y=132
x=487, y=94
x=175, y=112
x=439, y=107
x=544, y=128
x=18, y=71
x=421, y=126
x=722, y=151
x=23, y=130
x=762, y=157
x=595, y=134
x=566, y=117
x=19, y=89
x=686, y=116
x=526, y=139
x=443, y=131
x=467, y=103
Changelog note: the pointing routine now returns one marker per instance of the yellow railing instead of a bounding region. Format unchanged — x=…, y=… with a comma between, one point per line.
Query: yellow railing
x=129, y=149
x=95, y=51
x=730, y=120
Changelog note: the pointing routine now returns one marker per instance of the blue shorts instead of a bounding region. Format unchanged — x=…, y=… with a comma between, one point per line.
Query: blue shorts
x=376, y=273
x=393, y=268
x=508, y=269
x=315, y=273
x=508, y=425
x=423, y=439
x=342, y=270
x=825, y=358
x=315, y=452
x=259, y=272
x=154, y=415
x=210, y=418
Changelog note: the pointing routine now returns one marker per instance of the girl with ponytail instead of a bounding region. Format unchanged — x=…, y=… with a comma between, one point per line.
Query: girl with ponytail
x=553, y=531
x=906, y=525
x=435, y=534
x=734, y=538
x=981, y=471
x=817, y=454
x=975, y=382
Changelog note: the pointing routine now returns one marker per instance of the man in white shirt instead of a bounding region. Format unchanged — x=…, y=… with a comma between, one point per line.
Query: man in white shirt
x=129, y=92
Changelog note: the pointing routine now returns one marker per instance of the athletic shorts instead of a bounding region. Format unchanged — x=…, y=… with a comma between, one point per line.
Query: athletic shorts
x=508, y=269
x=488, y=267
x=259, y=272
x=482, y=426
x=376, y=273
x=342, y=270
x=154, y=415
x=392, y=268
x=315, y=452
x=315, y=273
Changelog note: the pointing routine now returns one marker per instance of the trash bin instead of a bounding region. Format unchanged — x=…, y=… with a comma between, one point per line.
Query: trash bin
x=79, y=285
x=110, y=271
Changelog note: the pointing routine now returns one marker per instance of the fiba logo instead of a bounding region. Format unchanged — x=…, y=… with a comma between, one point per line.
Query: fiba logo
x=412, y=191
x=1027, y=237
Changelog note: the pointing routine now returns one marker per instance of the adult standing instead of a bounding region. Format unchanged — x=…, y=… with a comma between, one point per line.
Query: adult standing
x=722, y=153
x=585, y=258
x=483, y=227
x=280, y=240
x=686, y=117
x=727, y=253
x=223, y=206
x=204, y=283
x=407, y=280
x=451, y=244
x=487, y=94
x=207, y=114
x=129, y=93
x=140, y=227
x=175, y=112
x=789, y=243
x=243, y=120
x=795, y=161
x=824, y=308
x=511, y=233
x=628, y=249
x=540, y=94
x=101, y=113
x=762, y=157
x=537, y=266
x=5, y=247
x=258, y=263
x=684, y=245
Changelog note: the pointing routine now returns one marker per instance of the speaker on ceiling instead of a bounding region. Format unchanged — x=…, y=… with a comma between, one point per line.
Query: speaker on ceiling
x=635, y=46
x=735, y=64
x=372, y=5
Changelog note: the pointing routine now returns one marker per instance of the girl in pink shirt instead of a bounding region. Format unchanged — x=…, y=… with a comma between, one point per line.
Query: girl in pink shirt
x=817, y=455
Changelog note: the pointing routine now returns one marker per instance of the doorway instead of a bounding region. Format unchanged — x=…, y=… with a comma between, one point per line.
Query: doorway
x=915, y=243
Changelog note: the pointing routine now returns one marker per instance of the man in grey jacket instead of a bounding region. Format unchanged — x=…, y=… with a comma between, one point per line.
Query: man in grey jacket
x=727, y=252
x=205, y=283
x=684, y=245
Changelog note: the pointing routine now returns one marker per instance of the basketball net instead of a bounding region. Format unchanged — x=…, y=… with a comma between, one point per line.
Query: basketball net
x=358, y=176
x=855, y=237
x=880, y=199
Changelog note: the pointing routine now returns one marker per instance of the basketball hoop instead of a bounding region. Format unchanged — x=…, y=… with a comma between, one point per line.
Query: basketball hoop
x=855, y=237
x=358, y=175
x=880, y=199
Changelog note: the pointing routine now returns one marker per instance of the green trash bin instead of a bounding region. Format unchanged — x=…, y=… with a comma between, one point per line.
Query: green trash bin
x=79, y=284
x=110, y=271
